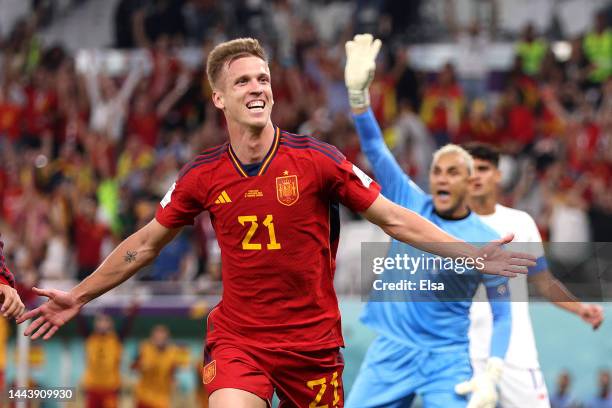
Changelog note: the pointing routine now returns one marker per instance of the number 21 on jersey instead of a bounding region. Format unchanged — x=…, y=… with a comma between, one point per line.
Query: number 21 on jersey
x=251, y=222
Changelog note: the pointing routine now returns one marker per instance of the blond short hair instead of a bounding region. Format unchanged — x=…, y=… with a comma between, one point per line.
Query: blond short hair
x=455, y=149
x=229, y=51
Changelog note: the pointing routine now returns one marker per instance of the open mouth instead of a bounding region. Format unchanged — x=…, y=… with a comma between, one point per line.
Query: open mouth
x=443, y=193
x=256, y=105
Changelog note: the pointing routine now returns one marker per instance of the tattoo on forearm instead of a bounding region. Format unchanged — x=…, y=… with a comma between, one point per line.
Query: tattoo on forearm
x=130, y=256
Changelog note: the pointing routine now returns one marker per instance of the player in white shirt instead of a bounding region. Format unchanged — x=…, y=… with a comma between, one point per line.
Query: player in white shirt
x=522, y=384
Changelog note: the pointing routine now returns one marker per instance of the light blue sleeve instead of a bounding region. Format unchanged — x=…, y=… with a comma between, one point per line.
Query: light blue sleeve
x=541, y=266
x=498, y=293
x=396, y=185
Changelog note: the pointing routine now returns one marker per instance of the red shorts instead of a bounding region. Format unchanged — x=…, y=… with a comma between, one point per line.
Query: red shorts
x=300, y=379
x=102, y=399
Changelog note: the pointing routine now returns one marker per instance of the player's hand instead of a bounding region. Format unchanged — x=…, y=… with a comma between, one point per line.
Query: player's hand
x=482, y=387
x=60, y=308
x=592, y=314
x=498, y=261
x=12, y=306
x=361, y=54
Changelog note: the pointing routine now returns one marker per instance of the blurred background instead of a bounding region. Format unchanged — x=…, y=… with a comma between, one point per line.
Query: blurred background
x=103, y=101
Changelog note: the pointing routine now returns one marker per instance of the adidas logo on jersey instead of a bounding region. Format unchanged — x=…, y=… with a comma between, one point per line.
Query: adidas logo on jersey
x=223, y=198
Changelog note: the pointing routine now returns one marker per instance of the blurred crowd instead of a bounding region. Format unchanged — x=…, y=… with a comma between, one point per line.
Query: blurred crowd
x=564, y=398
x=86, y=156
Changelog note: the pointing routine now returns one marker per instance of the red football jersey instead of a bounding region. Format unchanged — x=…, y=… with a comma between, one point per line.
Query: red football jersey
x=278, y=233
x=6, y=277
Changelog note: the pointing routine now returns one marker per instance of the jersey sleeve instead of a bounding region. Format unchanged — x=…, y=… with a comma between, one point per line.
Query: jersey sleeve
x=395, y=183
x=182, y=203
x=534, y=240
x=6, y=277
x=345, y=182
x=498, y=293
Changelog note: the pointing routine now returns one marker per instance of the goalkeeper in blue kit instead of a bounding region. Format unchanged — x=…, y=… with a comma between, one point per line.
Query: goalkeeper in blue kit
x=422, y=344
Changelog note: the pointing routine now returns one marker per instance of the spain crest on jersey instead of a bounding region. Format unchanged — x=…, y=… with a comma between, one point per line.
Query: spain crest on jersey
x=287, y=191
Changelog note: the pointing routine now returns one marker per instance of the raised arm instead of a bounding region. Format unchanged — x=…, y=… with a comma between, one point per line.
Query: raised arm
x=409, y=227
x=128, y=86
x=135, y=252
x=358, y=73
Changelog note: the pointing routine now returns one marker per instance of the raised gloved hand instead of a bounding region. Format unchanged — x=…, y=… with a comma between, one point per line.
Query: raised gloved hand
x=361, y=54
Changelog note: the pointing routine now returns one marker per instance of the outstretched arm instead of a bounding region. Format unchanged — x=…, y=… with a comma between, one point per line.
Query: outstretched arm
x=556, y=292
x=551, y=288
x=409, y=227
x=131, y=255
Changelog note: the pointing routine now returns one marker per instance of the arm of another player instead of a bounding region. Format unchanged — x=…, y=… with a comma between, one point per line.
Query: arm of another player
x=482, y=386
x=12, y=306
x=557, y=293
x=409, y=227
x=551, y=288
x=136, y=251
x=358, y=74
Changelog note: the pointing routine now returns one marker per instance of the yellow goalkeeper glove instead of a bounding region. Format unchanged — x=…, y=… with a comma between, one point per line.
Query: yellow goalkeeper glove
x=483, y=386
x=361, y=54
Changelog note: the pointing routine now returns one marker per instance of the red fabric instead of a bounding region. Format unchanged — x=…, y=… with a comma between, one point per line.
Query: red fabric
x=88, y=238
x=102, y=399
x=145, y=126
x=277, y=297
x=583, y=147
x=480, y=130
x=521, y=124
x=37, y=114
x=297, y=376
x=10, y=116
x=442, y=97
x=11, y=197
x=6, y=277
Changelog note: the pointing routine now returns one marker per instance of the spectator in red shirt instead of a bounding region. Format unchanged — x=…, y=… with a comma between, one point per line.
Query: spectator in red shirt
x=442, y=106
x=88, y=237
x=146, y=116
x=520, y=126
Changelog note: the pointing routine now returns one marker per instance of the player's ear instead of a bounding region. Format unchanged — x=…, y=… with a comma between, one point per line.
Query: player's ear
x=218, y=100
x=497, y=175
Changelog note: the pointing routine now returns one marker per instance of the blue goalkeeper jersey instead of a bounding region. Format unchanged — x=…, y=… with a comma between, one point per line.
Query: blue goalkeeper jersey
x=425, y=319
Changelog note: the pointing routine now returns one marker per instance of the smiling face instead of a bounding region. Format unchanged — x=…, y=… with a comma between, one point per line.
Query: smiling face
x=244, y=93
x=485, y=180
x=448, y=183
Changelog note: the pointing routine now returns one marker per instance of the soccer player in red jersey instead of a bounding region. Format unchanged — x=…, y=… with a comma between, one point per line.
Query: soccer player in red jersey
x=9, y=298
x=273, y=200
x=11, y=307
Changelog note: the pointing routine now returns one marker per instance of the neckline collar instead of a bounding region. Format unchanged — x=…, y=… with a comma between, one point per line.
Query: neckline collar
x=265, y=163
x=449, y=218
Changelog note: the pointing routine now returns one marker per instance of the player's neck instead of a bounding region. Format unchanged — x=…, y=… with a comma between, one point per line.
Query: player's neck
x=251, y=145
x=459, y=213
x=483, y=205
